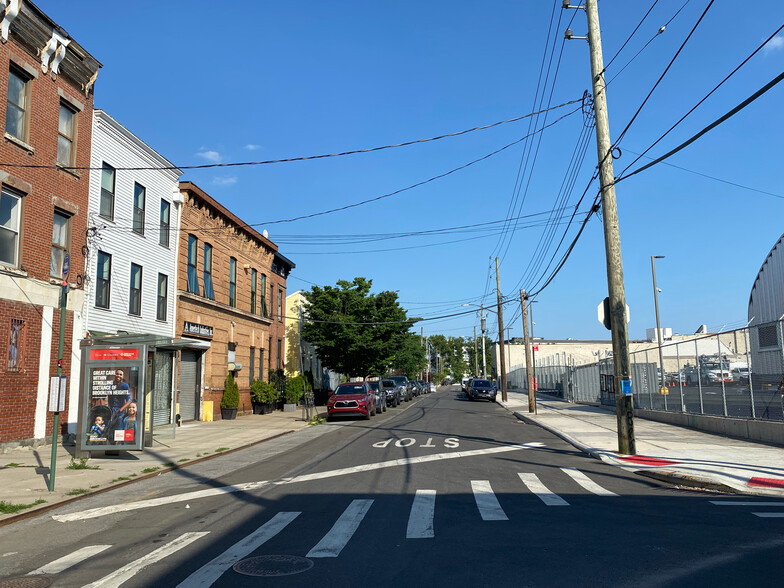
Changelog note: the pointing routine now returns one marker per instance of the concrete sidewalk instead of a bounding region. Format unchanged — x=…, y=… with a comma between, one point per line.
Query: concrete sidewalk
x=677, y=455
x=24, y=472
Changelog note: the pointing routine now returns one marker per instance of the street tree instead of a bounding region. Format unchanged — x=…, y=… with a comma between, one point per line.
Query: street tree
x=410, y=358
x=355, y=333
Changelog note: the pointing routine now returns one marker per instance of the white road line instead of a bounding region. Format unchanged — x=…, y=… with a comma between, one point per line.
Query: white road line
x=533, y=483
x=338, y=536
x=69, y=560
x=586, y=482
x=486, y=502
x=211, y=571
x=109, y=510
x=745, y=503
x=769, y=515
x=420, y=520
x=127, y=572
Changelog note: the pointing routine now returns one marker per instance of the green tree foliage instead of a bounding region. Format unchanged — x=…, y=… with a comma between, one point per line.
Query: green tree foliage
x=410, y=358
x=448, y=355
x=294, y=389
x=475, y=359
x=263, y=392
x=355, y=332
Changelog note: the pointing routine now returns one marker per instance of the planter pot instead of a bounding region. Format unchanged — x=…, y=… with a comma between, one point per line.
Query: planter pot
x=289, y=407
x=258, y=409
x=228, y=413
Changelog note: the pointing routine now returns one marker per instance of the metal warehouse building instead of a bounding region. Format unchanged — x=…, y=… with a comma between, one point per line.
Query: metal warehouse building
x=766, y=310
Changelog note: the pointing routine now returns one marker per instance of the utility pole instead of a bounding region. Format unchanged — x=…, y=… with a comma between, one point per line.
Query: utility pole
x=624, y=406
x=658, y=324
x=528, y=372
x=476, y=357
x=501, y=359
x=483, y=325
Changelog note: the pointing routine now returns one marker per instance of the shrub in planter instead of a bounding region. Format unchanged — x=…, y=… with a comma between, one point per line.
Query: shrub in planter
x=293, y=390
x=263, y=395
x=231, y=398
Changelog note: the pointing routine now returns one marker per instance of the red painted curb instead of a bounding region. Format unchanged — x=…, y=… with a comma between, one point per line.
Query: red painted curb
x=766, y=482
x=642, y=460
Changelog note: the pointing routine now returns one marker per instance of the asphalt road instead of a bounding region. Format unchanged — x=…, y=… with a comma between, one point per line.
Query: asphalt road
x=438, y=492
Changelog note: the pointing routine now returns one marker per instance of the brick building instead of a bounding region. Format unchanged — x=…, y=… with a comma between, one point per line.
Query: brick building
x=231, y=292
x=48, y=79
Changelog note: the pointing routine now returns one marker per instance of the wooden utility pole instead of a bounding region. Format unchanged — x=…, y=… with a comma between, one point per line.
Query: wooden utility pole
x=624, y=406
x=476, y=356
x=502, y=358
x=528, y=358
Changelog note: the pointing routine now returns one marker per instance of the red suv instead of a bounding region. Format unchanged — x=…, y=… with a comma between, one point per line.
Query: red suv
x=352, y=398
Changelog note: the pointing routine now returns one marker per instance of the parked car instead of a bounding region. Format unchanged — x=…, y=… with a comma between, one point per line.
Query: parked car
x=391, y=392
x=424, y=386
x=740, y=375
x=404, y=386
x=381, y=397
x=352, y=398
x=480, y=388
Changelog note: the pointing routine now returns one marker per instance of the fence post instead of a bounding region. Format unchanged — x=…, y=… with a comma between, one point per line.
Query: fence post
x=721, y=374
x=747, y=341
x=699, y=375
x=678, y=375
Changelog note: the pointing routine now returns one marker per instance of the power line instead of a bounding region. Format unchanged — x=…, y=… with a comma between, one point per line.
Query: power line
x=292, y=159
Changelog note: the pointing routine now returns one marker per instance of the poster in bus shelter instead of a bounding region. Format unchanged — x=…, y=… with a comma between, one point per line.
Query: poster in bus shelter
x=113, y=412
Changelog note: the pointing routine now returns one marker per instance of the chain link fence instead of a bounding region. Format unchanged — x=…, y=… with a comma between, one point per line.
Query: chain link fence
x=737, y=374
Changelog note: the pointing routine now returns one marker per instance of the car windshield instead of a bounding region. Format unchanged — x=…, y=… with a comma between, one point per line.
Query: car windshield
x=481, y=384
x=373, y=385
x=351, y=389
x=388, y=384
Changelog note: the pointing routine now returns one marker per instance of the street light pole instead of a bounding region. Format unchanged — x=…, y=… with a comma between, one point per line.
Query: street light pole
x=483, y=325
x=502, y=359
x=476, y=359
x=658, y=324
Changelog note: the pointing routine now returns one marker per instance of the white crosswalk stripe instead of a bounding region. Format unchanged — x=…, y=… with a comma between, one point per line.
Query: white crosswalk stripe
x=535, y=485
x=755, y=503
x=486, y=502
x=341, y=532
x=211, y=571
x=586, y=482
x=128, y=571
x=78, y=556
x=769, y=515
x=420, y=519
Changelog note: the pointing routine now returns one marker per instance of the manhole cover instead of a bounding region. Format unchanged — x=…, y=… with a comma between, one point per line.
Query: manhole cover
x=27, y=582
x=271, y=565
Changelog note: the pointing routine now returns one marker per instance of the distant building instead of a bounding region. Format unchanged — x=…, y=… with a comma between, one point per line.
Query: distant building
x=48, y=81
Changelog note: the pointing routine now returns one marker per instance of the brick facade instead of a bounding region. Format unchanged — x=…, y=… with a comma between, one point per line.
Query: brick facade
x=251, y=332
x=27, y=290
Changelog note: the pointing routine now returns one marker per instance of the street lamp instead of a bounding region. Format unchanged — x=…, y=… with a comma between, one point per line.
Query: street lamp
x=658, y=324
x=483, y=325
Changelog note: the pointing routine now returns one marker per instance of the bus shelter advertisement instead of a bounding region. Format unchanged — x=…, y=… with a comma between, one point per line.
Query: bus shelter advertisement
x=113, y=412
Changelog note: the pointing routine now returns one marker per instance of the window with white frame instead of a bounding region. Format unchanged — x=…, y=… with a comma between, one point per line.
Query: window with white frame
x=66, y=135
x=208, y=290
x=61, y=234
x=135, y=291
x=163, y=296
x=103, y=280
x=232, y=282
x=253, y=280
x=106, y=205
x=139, y=196
x=193, y=253
x=163, y=237
x=10, y=213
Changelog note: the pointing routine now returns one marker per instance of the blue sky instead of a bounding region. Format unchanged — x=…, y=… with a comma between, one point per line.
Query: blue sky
x=205, y=82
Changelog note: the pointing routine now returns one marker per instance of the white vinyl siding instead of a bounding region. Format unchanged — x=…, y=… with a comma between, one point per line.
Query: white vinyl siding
x=119, y=148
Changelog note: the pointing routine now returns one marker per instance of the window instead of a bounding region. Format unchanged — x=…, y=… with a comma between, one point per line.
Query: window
x=106, y=206
x=280, y=304
x=264, y=295
x=103, y=280
x=139, y=195
x=16, y=345
x=163, y=297
x=17, y=112
x=208, y=291
x=193, y=252
x=272, y=298
x=261, y=363
x=163, y=237
x=135, y=293
x=253, y=292
x=61, y=226
x=67, y=135
x=10, y=210
x=232, y=282
x=252, y=366
x=280, y=346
